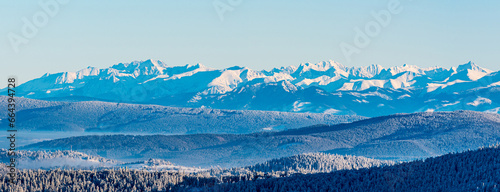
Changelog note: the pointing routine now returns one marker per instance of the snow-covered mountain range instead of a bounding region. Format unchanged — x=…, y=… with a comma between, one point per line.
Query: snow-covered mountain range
x=327, y=87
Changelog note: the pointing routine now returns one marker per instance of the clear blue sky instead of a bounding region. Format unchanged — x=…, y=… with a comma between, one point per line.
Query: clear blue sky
x=259, y=34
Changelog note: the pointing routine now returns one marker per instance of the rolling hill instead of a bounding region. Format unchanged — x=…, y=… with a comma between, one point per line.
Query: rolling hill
x=468, y=171
x=394, y=137
x=475, y=170
x=96, y=116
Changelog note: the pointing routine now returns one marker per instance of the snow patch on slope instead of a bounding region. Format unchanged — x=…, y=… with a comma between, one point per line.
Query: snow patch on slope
x=480, y=101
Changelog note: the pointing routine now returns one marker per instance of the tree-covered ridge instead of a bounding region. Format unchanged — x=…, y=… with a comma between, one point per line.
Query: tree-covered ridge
x=97, y=116
x=152, y=180
x=476, y=170
x=56, y=159
x=316, y=163
x=395, y=137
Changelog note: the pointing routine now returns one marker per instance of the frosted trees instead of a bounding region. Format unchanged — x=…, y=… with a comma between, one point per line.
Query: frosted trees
x=469, y=171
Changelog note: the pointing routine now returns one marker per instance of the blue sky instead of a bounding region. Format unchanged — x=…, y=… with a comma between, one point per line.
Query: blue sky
x=258, y=34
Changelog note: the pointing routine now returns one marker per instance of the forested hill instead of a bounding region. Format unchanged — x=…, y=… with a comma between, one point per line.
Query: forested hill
x=399, y=137
x=97, y=116
x=477, y=170
x=317, y=162
x=305, y=164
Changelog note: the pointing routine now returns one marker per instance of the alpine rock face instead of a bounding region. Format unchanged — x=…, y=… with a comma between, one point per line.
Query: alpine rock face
x=325, y=87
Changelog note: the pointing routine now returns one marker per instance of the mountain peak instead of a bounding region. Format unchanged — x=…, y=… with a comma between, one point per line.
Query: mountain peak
x=137, y=68
x=367, y=71
x=157, y=63
x=152, y=63
x=363, y=86
x=322, y=66
x=199, y=65
x=473, y=67
x=405, y=68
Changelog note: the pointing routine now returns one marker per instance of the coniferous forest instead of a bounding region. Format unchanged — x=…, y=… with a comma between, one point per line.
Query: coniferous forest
x=477, y=170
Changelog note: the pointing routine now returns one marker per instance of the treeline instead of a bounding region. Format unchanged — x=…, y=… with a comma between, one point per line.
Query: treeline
x=304, y=164
x=146, y=180
x=43, y=155
x=468, y=171
x=116, y=180
x=317, y=163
